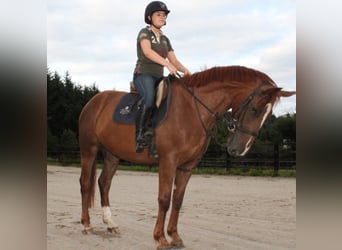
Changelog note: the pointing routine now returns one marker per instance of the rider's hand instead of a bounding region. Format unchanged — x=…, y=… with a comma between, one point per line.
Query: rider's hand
x=172, y=69
x=186, y=72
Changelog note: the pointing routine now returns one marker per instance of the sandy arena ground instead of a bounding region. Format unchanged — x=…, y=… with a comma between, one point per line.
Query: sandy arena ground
x=219, y=212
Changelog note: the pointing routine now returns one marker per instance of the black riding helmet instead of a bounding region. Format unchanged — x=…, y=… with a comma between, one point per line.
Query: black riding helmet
x=153, y=7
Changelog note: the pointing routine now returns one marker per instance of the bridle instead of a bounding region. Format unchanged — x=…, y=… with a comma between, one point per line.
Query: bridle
x=236, y=124
x=233, y=124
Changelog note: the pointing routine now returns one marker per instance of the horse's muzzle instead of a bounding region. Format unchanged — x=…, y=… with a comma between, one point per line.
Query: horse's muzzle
x=233, y=152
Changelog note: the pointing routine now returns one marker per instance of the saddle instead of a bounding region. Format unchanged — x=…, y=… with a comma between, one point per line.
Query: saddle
x=127, y=109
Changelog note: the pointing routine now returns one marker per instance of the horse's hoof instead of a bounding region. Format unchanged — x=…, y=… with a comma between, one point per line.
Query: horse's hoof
x=177, y=245
x=164, y=245
x=114, y=230
x=176, y=241
x=87, y=230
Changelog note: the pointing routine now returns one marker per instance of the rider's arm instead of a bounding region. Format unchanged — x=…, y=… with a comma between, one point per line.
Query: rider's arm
x=155, y=57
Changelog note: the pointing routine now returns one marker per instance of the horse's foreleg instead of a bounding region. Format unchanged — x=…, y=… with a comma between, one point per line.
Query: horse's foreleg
x=166, y=176
x=181, y=181
x=110, y=165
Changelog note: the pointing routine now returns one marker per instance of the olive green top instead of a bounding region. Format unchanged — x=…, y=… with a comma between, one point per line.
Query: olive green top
x=162, y=47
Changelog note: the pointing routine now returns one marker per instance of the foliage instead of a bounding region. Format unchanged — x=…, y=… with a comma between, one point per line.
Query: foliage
x=65, y=101
x=69, y=140
x=286, y=125
x=53, y=141
x=68, y=143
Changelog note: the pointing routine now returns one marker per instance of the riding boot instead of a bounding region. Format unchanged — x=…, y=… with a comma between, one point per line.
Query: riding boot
x=141, y=123
x=153, y=149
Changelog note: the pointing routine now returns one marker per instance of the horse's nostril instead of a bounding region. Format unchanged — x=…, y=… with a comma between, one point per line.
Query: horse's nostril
x=232, y=151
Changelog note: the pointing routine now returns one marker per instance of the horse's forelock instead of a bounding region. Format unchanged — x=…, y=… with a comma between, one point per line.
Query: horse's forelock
x=273, y=94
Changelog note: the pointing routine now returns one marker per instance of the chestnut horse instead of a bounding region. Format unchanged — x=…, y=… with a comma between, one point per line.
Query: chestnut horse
x=181, y=139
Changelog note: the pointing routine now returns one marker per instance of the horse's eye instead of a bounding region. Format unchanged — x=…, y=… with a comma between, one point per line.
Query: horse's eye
x=254, y=111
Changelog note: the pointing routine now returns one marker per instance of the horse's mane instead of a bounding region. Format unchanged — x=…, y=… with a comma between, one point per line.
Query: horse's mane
x=228, y=73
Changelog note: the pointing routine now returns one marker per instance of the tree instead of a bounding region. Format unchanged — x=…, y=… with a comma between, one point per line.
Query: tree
x=69, y=144
x=267, y=132
x=65, y=101
x=69, y=140
x=52, y=142
x=286, y=125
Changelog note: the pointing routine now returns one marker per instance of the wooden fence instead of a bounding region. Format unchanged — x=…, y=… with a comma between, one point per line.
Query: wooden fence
x=261, y=156
x=264, y=156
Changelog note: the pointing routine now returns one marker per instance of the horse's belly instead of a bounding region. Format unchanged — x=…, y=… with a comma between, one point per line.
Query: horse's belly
x=120, y=141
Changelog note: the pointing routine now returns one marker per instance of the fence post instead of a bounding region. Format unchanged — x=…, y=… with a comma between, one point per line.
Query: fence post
x=276, y=159
x=228, y=162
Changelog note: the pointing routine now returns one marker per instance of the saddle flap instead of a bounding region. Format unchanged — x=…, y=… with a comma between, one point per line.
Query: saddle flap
x=126, y=110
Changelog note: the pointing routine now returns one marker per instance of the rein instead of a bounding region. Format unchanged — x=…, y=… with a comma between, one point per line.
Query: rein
x=192, y=93
x=231, y=123
x=194, y=96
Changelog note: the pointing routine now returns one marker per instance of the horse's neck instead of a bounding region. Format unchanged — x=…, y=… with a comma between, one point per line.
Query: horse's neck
x=216, y=96
x=212, y=99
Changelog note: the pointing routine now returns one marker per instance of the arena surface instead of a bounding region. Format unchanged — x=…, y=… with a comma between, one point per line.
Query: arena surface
x=219, y=212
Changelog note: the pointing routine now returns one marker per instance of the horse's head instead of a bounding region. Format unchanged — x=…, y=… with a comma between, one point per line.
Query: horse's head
x=249, y=116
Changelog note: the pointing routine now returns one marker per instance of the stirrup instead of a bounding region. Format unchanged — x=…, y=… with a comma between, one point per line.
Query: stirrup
x=140, y=144
x=139, y=148
x=153, y=152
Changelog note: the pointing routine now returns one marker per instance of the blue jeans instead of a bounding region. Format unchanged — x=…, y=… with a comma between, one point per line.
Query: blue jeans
x=146, y=87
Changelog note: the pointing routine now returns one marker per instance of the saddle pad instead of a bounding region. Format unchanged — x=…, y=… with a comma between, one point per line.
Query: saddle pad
x=127, y=109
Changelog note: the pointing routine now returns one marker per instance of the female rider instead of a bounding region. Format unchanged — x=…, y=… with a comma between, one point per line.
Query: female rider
x=154, y=52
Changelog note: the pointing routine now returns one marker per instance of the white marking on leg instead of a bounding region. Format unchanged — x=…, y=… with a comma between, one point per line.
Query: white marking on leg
x=107, y=218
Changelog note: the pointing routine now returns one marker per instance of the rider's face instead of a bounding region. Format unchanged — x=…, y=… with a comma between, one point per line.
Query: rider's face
x=159, y=18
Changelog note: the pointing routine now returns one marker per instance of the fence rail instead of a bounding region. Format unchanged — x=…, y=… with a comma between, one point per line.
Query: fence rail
x=262, y=156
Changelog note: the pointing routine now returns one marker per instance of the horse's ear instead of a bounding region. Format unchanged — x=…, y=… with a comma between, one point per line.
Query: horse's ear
x=279, y=92
x=271, y=91
x=286, y=93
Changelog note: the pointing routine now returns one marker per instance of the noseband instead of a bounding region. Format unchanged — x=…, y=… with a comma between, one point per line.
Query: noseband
x=233, y=124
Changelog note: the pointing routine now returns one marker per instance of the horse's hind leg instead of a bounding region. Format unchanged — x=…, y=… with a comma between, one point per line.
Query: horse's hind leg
x=181, y=180
x=110, y=165
x=87, y=182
